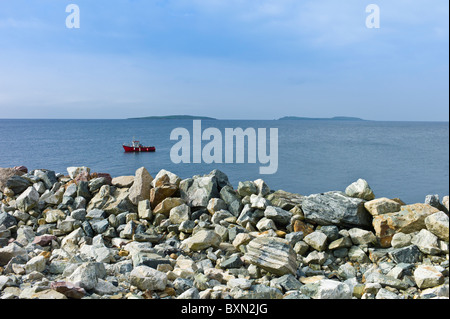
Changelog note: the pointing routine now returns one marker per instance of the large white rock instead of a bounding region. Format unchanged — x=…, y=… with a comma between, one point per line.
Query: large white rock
x=147, y=278
x=438, y=224
x=427, y=276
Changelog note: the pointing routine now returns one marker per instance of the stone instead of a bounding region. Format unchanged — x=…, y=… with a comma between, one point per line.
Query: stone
x=335, y=208
x=382, y=206
x=315, y=257
x=274, y=255
x=87, y=274
x=438, y=224
x=18, y=184
x=360, y=189
x=285, y=200
x=7, y=220
x=46, y=176
x=241, y=239
x=201, y=240
x=159, y=193
x=37, y=263
x=74, y=171
x=68, y=289
x=140, y=190
x=362, y=237
x=231, y=198
x=246, y=188
x=215, y=205
x=145, y=210
x=147, y=278
x=48, y=294
x=180, y=214
x=28, y=199
x=123, y=181
x=386, y=294
x=259, y=202
x=266, y=224
x=329, y=289
x=11, y=251
x=165, y=176
x=7, y=173
x=278, y=215
x=343, y=242
x=427, y=242
x=400, y=240
x=433, y=200
x=357, y=254
x=427, y=276
x=408, y=255
x=445, y=202
x=43, y=240
x=409, y=219
x=300, y=226
x=233, y=261
x=166, y=205
x=316, y=240
x=197, y=192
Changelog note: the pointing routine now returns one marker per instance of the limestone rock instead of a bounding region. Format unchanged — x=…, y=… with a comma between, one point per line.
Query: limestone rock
x=360, y=189
x=147, y=278
x=201, y=240
x=438, y=224
x=336, y=208
x=140, y=190
x=427, y=276
x=316, y=240
x=382, y=206
x=28, y=199
x=272, y=254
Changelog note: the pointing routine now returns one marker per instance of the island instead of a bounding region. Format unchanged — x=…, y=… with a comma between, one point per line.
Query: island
x=336, y=118
x=173, y=117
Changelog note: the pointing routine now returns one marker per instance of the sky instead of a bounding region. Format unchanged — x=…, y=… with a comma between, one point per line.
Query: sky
x=229, y=59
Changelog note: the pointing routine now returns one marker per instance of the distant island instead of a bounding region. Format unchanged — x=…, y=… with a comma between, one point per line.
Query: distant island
x=336, y=118
x=173, y=117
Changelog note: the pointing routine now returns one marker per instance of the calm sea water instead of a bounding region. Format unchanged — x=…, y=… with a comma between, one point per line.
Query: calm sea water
x=399, y=159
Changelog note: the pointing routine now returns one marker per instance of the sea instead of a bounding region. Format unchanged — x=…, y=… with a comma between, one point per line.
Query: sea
x=406, y=160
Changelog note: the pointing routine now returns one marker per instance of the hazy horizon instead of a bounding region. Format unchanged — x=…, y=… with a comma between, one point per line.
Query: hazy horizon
x=231, y=59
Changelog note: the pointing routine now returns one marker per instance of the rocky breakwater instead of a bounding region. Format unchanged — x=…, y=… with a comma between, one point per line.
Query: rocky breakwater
x=87, y=235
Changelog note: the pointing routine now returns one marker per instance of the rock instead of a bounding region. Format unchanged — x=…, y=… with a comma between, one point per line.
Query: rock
x=278, y=215
x=140, y=190
x=201, y=240
x=167, y=204
x=68, y=289
x=316, y=240
x=11, y=251
x=147, y=278
x=48, y=294
x=386, y=294
x=87, y=274
x=343, y=242
x=329, y=289
x=400, y=240
x=230, y=197
x=360, y=189
x=44, y=240
x=362, y=237
x=445, y=202
x=259, y=202
x=7, y=173
x=408, y=255
x=159, y=193
x=7, y=220
x=246, y=188
x=382, y=206
x=336, y=208
x=123, y=181
x=427, y=276
x=37, y=263
x=165, y=176
x=233, y=262
x=409, y=219
x=433, y=200
x=180, y=214
x=357, y=254
x=28, y=199
x=75, y=171
x=261, y=187
x=427, y=242
x=197, y=192
x=272, y=254
x=145, y=210
x=438, y=224
x=46, y=176
x=18, y=184
x=215, y=205
x=266, y=224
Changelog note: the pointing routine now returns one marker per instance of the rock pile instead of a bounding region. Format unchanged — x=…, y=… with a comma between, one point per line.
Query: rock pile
x=87, y=235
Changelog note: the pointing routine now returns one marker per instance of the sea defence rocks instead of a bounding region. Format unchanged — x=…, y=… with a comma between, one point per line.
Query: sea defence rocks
x=87, y=235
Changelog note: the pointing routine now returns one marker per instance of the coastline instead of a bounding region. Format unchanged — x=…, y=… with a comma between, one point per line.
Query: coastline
x=91, y=235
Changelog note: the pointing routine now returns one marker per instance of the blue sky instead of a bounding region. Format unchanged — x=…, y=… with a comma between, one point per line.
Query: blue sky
x=231, y=59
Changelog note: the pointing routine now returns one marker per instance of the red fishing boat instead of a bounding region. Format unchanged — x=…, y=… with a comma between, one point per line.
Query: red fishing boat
x=136, y=146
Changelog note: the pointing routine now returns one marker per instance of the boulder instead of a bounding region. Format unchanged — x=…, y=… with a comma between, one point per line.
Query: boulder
x=167, y=204
x=438, y=224
x=197, y=192
x=159, y=193
x=382, y=206
x=123, y=181
x=147, y=278
x=360, y=189
x=409, y=219
x=285, y=200
x=336, y=208
x=427, y=276
x=165, y=176
x=28, y=199
x=18, y=184
x=180, y=214
x=140, y=190
x=427, y=242
x=203, y=239
x=278, y=215
x=275, y=255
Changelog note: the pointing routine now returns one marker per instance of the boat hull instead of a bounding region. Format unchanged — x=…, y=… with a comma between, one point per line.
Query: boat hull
x=130, y=149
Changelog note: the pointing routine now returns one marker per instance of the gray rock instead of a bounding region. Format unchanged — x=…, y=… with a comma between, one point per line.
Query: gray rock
x=180, y=214
x=316, y=240
x=427, y=276
x=433, y=200
x=336, y=208
x=360, y=189
x=18, y=184
x=362, y=237
x=409, y=254
x=7, y=220
x=191, y=293
x=87, y=274
x=272, y=254
x=438, y=224
x=278, y=215
x=28, y=199
x=400, y=240
x=147, y=278
x=140, y=190
x=231, y=198
x=427, y=242
x=233, y=261
x=46, y=176
x=331, y=231
x=247, y=188
x=286, y=283
x=201, y=240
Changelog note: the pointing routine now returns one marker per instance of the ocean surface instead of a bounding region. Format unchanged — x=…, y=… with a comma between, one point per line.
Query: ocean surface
x=407, y=160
